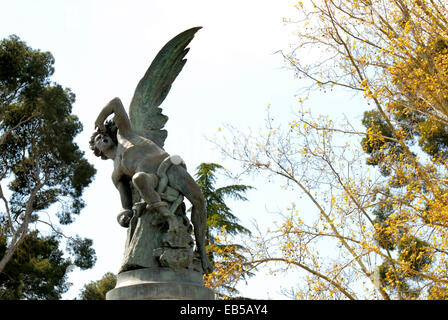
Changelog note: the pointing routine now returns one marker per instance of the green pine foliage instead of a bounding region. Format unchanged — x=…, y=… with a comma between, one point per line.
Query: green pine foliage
x=40, y=164
x=37, y=130
x=37, y=270
x=226, y=256
x=96, y=290
x=219, y=214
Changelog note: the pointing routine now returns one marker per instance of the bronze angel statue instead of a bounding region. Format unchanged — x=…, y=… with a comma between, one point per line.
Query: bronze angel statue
x=141, y=166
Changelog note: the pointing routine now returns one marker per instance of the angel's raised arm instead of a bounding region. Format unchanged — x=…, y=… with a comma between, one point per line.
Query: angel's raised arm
x=121, y=119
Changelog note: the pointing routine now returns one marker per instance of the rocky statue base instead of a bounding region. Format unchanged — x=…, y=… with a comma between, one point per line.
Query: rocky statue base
x=160, y=284
x=160, y=263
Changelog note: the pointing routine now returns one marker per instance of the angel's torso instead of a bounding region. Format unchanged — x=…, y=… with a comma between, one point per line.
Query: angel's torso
x=136, y=154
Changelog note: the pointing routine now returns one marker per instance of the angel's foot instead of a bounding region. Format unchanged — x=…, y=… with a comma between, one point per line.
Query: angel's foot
x=162, y=209
x=160, y=206
x=124, y=217
x=207, y=268
x=172, y=220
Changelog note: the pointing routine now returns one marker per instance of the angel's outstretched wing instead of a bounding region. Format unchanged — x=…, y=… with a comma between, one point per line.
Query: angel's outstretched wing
x=146, y=118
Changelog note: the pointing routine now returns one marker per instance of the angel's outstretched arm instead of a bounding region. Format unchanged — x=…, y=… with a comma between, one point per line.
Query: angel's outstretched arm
x=121, y=118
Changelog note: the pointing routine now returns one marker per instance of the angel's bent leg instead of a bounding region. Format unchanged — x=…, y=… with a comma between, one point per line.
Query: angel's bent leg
x=146, y=184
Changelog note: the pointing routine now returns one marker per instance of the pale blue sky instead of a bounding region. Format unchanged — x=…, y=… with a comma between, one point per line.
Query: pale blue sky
x=102, y=49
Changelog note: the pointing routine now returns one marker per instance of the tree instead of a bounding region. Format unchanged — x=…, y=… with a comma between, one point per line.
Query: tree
x=430, y=137
x=40, y=163
x=96, y=290
x=37, y=270
x=387, y=228
x=219, y=215
x=222, y=226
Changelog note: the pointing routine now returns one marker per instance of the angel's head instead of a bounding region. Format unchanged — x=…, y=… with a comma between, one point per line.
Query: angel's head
x=104, y=143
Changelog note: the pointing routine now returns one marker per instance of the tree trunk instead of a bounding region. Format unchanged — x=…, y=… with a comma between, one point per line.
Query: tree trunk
x=19, y=236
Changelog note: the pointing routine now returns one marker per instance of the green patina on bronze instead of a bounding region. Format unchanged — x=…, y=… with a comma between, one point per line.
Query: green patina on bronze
x=151, y=91
x=152, y=184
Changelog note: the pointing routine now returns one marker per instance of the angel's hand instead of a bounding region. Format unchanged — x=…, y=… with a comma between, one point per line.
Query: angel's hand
x=100, y=125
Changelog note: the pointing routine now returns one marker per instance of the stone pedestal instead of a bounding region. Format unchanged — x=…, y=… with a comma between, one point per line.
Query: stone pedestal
x=160, y=284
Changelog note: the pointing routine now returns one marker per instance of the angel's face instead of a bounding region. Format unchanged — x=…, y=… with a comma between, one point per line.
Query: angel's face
x=104, y=143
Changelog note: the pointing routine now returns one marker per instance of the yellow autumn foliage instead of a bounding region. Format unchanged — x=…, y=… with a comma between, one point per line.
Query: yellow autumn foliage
x=395, y=54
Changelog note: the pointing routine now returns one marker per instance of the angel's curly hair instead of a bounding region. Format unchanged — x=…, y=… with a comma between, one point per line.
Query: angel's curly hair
x=111, y=131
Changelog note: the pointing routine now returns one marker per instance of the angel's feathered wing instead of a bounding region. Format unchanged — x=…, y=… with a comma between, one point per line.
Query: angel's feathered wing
x=146, y=117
